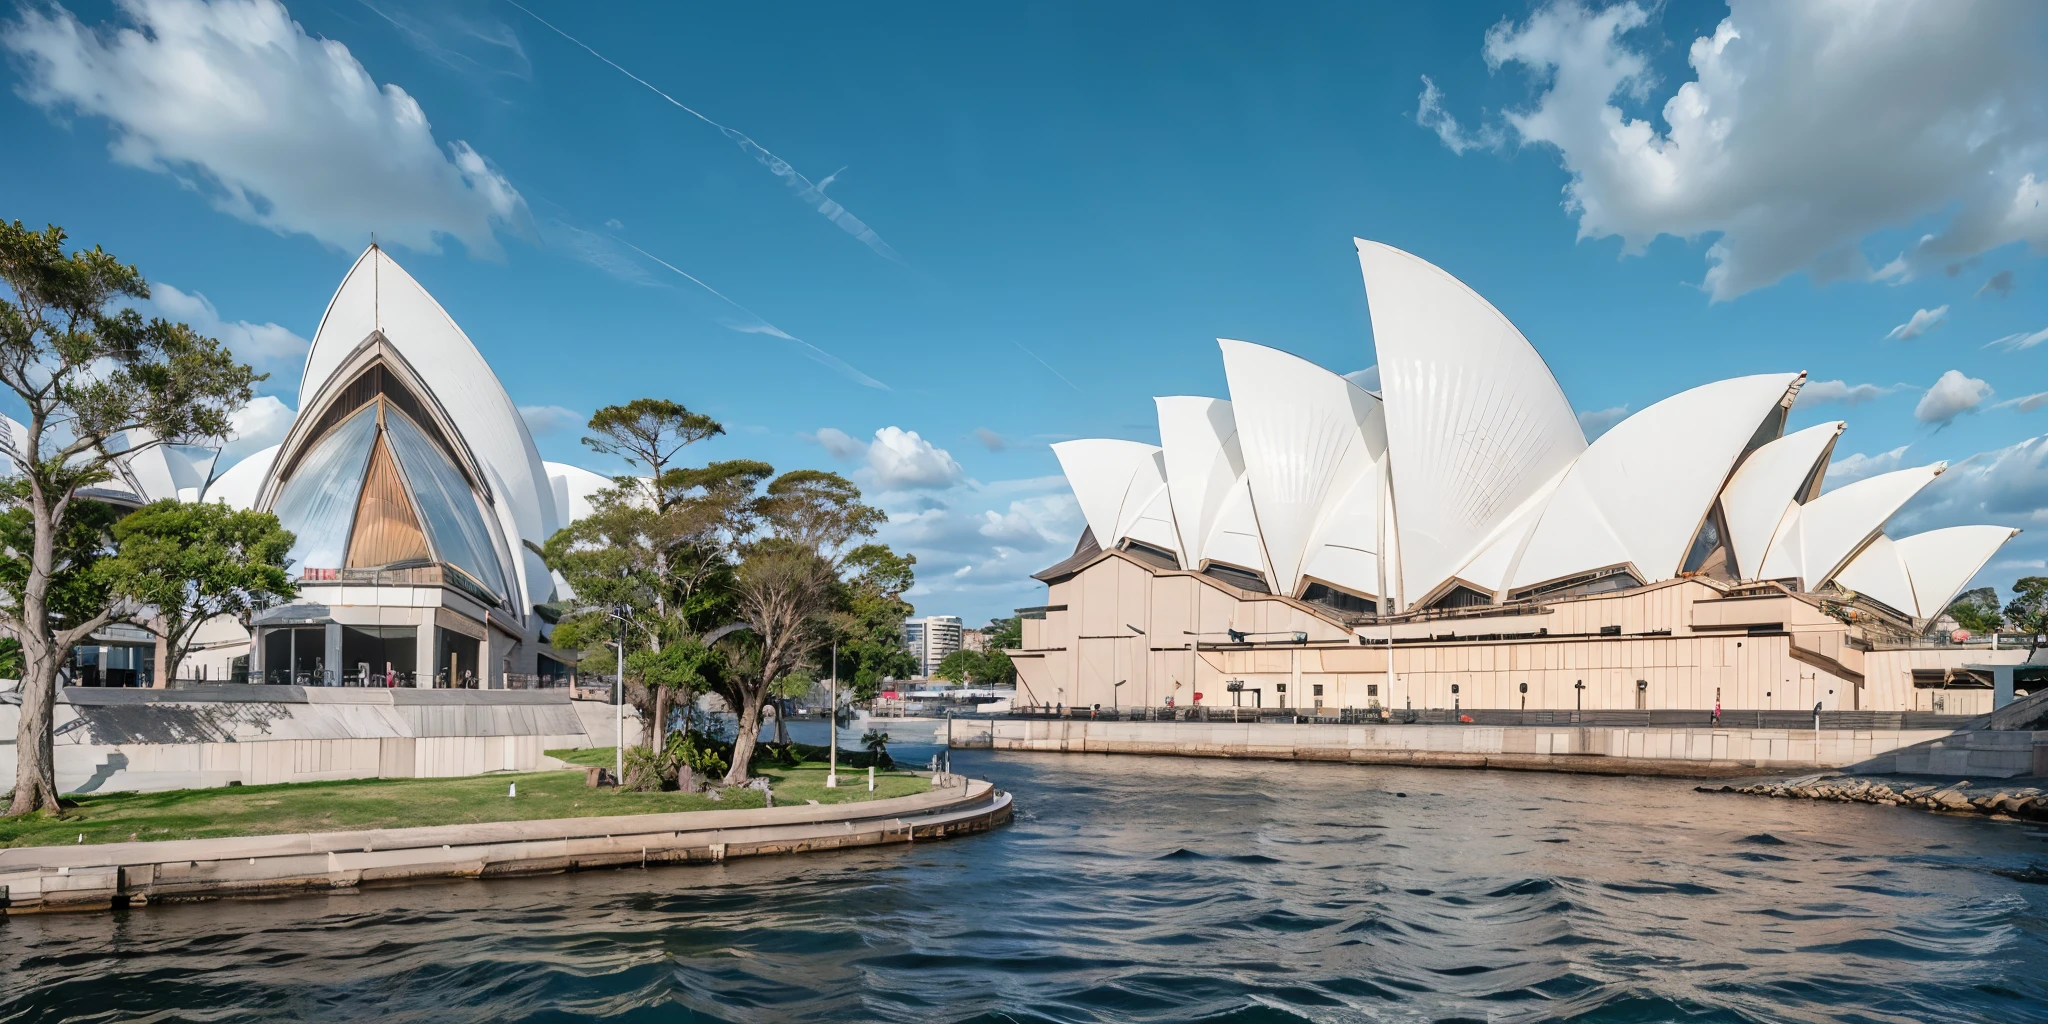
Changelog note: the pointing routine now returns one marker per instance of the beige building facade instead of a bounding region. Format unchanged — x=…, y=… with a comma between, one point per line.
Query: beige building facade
x=1120, y=631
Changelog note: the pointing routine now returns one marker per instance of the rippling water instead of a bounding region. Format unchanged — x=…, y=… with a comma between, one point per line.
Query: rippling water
x=1156, y=889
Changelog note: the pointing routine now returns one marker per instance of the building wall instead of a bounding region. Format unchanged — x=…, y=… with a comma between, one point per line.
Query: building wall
x=1680, y=644
x=931, y=638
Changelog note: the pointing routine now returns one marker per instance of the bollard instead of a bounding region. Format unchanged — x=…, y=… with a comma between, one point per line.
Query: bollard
x=871, y=778
x=511, y=790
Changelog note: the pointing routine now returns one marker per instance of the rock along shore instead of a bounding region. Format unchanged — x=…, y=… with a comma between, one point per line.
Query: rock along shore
x=2011, y=803
x=36, y=879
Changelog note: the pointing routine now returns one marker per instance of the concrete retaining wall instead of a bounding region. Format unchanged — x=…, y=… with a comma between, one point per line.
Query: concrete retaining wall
x=1606, y=750
x=48, y=878
x=111, y=740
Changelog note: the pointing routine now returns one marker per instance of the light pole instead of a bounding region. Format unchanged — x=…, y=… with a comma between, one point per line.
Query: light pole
x=832, y=749
x=619, y=703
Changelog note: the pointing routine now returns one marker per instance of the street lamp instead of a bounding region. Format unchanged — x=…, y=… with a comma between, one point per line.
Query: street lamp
x=832, y=770
x=1113, y=701
x=619, y=701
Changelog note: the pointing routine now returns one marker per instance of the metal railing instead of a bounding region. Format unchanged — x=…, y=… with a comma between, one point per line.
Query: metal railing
x=1616, y=718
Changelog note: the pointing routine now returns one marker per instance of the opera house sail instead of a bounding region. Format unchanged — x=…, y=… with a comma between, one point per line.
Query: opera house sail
x=1454, y=540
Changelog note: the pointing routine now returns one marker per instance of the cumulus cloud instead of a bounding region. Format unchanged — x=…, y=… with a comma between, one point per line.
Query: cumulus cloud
x=896, y=459
x=2006, y=486
x=266, y=346
x=901, y=459
x=2021, y=341
x=977, y=548
x=254, y=427
x=1950, y=397
x=1368, y=378
x=991, y=440
x=1922, y=321
x=551, y=419
x=236, y=101
x=1999, y=287
x=1596, y=422
x=1828, y=392
x=1804, y=129
x=1859, y=465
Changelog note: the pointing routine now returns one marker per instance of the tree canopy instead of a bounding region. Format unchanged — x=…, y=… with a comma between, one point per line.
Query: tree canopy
x=188, y=562
x=1977, y=610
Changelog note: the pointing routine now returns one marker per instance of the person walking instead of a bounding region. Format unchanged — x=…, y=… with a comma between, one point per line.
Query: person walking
x=1717, y=706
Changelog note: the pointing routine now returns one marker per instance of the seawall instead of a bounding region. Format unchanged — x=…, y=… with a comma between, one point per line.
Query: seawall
x=1606, y=750
x=50, y=878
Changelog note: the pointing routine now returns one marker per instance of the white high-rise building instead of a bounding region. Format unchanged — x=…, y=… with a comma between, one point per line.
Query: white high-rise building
x=930, y=639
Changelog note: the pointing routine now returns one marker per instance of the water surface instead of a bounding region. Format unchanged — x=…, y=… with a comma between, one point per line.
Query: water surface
x=1155, y=889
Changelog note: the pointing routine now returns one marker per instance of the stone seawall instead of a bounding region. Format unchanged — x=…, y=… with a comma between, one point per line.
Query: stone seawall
x=51, y=878
x=1692, y=752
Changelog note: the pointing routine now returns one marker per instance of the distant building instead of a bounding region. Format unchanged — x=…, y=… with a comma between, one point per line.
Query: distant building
x=974, y=640
x=930, y=639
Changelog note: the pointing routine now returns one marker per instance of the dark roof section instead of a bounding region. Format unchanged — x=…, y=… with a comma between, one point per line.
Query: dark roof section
x=1084, y=552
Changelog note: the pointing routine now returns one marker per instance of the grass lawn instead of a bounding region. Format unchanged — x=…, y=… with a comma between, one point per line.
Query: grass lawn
x=403, y=803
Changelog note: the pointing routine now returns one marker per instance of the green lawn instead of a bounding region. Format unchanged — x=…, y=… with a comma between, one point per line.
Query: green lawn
x=402, y=803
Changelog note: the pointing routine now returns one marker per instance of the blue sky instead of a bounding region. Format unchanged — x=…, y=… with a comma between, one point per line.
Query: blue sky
x=1066, y=204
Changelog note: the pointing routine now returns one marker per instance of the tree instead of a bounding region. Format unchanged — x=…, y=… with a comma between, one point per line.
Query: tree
x=189, y=563
x=1977, y=610
x=2028, y=610
x=1003, y=635
x=648, y=432
x=787, y=584
x=960, y=666
x=869, y=624
x=93, y=381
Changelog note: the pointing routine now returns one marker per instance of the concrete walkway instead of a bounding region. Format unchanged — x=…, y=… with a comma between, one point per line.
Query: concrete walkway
x=46, y=878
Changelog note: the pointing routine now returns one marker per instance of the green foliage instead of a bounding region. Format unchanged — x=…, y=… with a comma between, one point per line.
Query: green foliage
x=870, y=622
x=960, y=666
x=80, y=589
x=647, y=433
x=191, y=562
x=1977, y=610
x=649, y=770
x=877, y=743
x=2028, y=610
x=10, y=658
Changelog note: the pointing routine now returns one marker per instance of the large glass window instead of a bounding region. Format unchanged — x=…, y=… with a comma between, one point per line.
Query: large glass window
x=448, y=510
x=318, y=504
x=379, y=655
x=455, y=664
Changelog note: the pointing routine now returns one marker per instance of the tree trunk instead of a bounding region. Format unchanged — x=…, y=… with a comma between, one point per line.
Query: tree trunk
x=35, y=766
x=781, y=723
x=659, y=731
x=743, y=744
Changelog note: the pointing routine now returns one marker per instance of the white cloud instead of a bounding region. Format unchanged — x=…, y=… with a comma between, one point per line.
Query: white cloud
x=551, y=419
x=1825, y=392
x=839, y=443
x=266, y=346
x=1998, y=287
x=1922, y=321
x=2007, y=487
x=1859, y=465
x=2020, y=342
x=1596, y=422
x=256, y=426
x=1806, y=128
x=1368, y=378
x=901, y=459
x=1950, y=397
x=2026, y=403
x=978, y=544
x=273, y=126
x=1430, y=113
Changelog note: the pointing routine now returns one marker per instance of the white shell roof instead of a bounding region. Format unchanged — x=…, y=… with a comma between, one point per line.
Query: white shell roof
x=238, y=486
x=1203, y=466
x=377, y=295
x=573, y=487
x=1475, y=418
x=1639, y=494
x=1763, y=491
x=1817, y=538
x=1469, y=465
x=1307, y=436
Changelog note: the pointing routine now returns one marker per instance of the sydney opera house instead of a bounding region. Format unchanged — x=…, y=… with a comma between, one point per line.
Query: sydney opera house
x=1453, y=541
x=416, y=495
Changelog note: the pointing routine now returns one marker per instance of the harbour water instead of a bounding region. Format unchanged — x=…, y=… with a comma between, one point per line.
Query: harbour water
x=1156, y=889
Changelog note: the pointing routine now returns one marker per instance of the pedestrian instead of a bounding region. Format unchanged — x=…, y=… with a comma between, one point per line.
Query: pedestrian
x=1717, y=705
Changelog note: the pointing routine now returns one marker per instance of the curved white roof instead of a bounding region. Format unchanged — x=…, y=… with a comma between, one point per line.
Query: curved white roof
x=1817, y=538
x=572, y=488
x=377, y=295
x=239, y=484
x=1879, y=572
x=1308, y=436
x=1475, y=419
x=1235, y=540
x=1639, y=494
x=1941, y=562
x=1203, y=465
x=1100, y=471
x=1147, y=514
x=1767, y=485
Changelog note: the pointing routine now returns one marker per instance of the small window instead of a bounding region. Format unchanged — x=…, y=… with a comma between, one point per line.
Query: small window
x=1280, y=687
x=1372, y=689
x=1319, y=689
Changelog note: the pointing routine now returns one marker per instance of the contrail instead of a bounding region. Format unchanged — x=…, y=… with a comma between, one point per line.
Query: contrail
x=761, y=324
x=1041, y=362
x=812, y=195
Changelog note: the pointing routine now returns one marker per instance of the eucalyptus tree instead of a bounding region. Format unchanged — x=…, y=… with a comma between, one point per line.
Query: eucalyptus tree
x=188, y=563
x=94, y=378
